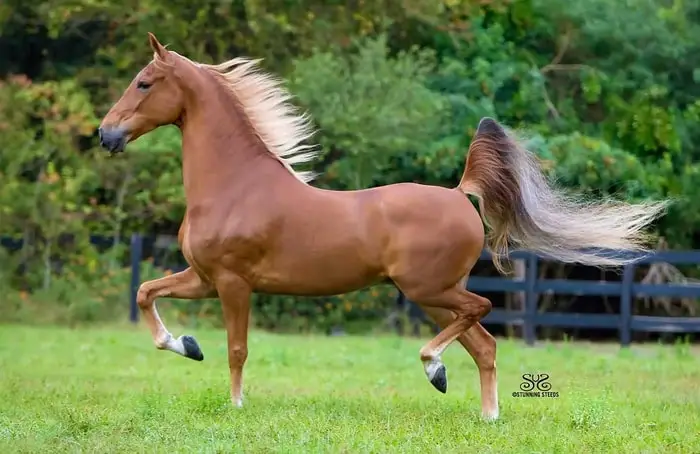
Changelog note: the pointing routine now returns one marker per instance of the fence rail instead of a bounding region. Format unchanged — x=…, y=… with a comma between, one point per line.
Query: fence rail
x=529, y=318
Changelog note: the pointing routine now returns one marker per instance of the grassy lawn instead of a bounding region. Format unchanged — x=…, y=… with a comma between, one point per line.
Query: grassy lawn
x=109, y=390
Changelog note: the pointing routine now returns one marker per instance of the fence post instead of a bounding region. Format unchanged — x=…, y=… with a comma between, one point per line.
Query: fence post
x=136, y=254
x=530, y=299
x=626, y=305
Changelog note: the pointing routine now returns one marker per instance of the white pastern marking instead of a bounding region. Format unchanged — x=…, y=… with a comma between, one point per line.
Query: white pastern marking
x=490, y=416
x=431, y=367
x=176, y=345
x=237, y=400
x=168, y=342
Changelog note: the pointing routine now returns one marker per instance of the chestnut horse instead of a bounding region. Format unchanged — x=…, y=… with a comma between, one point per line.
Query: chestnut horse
x=254, y=224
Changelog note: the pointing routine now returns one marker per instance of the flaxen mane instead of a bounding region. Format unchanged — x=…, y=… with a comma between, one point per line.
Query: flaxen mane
x=275, y=120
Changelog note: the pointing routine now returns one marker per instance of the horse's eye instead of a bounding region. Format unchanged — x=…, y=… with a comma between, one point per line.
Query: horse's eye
x=143, y=86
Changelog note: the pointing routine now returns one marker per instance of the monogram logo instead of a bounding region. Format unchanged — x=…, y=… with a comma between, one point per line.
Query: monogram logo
x=535, y=381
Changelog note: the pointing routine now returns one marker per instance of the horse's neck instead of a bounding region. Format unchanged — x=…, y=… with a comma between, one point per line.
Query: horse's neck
x=222, y=158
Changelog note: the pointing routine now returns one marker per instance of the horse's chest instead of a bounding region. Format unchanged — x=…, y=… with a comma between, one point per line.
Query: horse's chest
x=189, y=247
x=198, y=245
x=207, y=248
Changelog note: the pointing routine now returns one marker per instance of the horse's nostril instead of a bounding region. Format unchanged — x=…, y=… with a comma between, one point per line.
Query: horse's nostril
x=112, y=139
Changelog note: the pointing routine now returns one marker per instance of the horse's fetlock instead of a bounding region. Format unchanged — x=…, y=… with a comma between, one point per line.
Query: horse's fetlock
x=163, y=341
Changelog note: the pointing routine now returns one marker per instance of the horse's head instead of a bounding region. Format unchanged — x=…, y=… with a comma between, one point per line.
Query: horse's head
x=152, y=99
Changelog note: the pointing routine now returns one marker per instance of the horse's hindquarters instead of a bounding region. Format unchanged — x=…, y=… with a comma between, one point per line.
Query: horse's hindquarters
x=436, y=237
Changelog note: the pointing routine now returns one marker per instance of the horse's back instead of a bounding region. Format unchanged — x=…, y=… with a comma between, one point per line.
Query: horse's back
x=418, y=206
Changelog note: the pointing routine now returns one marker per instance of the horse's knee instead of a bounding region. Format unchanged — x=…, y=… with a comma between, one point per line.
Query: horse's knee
x=237, y=355
x=143, y=296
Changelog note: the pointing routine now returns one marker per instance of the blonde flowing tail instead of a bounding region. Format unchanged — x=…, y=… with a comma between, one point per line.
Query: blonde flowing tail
x=523, y=211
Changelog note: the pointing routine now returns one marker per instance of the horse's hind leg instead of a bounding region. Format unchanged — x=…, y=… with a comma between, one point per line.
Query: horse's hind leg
x=185, y=285
x=468, y=308
x=482, y=347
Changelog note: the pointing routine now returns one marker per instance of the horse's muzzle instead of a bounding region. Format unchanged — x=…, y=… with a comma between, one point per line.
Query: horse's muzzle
x=112, y=139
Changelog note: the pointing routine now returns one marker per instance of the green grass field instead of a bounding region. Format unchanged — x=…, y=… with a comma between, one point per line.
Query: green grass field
x=109, y=390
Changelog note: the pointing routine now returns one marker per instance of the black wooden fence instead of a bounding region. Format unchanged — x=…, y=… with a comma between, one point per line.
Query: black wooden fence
x=529, y=318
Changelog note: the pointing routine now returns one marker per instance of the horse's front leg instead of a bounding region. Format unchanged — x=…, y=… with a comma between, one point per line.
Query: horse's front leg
x=234, y=293
x=184, y=285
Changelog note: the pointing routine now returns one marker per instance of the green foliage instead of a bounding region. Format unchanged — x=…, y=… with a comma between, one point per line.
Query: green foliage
x=369, y=106
x=606, y=92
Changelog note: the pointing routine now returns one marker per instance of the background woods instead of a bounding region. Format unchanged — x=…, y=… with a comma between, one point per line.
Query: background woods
x=606, y=93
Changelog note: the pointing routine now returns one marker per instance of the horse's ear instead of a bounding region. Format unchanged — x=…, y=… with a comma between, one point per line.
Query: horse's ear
x=157, y=47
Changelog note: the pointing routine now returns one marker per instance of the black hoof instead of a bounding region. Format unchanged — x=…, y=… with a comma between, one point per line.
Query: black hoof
x=439, y=380
x=192, y=349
